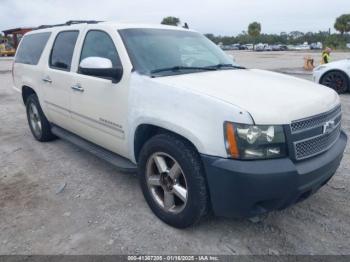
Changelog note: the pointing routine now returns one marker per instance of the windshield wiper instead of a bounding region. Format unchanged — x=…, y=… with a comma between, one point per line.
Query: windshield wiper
x=220, y=66
x=179, y=68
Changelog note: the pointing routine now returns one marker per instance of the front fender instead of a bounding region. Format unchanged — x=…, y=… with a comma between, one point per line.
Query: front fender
x=195, y=116
x=175, y=128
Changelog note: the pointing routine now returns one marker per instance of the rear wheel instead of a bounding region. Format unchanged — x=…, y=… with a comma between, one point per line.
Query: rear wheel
x=172, y=180
x=39, y=125
x=336, y=80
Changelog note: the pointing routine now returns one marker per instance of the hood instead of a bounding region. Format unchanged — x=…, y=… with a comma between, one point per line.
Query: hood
x=270, y=98
x=344, y=64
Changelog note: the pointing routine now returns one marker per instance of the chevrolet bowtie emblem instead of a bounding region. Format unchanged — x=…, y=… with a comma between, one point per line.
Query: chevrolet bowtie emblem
x=328, y=127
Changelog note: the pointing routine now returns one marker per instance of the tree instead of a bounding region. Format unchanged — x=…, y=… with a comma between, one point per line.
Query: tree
x=296, y=35
x=211, y=37
x=342, y=24
x=254, y=30
x=171, y=20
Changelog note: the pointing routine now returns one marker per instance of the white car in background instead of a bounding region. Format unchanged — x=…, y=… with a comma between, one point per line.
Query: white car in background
x=304, y=46
x=335, y=75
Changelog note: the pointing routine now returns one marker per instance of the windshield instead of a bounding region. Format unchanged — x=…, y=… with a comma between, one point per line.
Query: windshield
x=159, y=52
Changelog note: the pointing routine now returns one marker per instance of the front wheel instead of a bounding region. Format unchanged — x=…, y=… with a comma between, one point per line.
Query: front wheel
x=336, y=80
x=173, y=181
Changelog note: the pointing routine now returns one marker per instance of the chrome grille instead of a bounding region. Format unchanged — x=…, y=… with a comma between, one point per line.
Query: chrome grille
x=315, y=121
x=316, y=145
x=307, y=145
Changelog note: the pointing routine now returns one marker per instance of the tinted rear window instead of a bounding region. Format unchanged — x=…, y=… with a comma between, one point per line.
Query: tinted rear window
x=31, y=48
x=63, y=49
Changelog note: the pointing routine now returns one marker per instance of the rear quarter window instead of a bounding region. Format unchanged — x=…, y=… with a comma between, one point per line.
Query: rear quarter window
x=31, y=48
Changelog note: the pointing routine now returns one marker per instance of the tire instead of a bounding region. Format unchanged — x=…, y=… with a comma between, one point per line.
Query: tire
x=336, y=80
x=38, y=123
x=183, y=170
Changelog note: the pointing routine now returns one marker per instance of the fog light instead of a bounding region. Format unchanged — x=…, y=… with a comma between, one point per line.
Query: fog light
x=253, y=153
x=273, y=151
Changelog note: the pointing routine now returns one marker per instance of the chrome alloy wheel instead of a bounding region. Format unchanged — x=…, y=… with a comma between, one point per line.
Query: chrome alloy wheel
x=34, y=119
x=166, y=182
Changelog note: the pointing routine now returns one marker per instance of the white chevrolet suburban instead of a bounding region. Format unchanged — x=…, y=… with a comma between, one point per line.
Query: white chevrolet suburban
x=203, y=133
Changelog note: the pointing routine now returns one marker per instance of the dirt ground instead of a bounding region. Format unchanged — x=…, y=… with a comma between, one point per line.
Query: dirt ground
x=293, y=60
x=57, y=199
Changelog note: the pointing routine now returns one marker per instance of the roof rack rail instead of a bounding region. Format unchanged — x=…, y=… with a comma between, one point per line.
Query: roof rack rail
x=74, y=22
x=48, y=26
x=71, y=22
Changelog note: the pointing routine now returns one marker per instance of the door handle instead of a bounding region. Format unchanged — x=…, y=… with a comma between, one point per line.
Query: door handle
x=78, y=88
x=47, y=80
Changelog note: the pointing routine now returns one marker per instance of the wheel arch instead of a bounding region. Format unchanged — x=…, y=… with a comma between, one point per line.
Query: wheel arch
x=26, y=92
x=146, y=131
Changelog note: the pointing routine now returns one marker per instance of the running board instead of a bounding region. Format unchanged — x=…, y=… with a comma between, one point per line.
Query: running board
x=122, y=164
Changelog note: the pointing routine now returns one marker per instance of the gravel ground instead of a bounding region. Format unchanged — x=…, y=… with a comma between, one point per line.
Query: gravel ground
x=57, y=199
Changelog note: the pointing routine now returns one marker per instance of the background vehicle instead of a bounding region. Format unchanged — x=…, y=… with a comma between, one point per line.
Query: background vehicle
x=242, y=47
x=316, y=46
x=263, y=47
x=268, y=48
x=335, y=75
x=234, y=47
x=304, y=46
x=249, y=46
x=260, y=47
x=159, y=101
x=279, y=47
x=7, y=50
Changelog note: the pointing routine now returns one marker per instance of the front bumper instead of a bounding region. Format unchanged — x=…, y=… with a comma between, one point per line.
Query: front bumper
x=251, y=188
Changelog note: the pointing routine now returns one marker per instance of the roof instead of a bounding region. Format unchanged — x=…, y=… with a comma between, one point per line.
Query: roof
x=116, y=25
x=120, y=25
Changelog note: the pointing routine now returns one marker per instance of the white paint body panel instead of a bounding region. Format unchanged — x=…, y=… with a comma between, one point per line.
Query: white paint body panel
x=270, y=98
x=194, y=106
x=342, y=65
x=194, y=115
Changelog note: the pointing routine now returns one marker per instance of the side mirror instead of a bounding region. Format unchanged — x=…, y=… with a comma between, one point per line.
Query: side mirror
x=100, y=67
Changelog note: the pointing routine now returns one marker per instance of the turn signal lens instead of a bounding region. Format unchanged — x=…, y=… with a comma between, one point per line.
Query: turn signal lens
x=231, y=143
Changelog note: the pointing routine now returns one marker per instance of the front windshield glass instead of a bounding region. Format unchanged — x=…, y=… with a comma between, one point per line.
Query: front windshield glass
x=167, y=52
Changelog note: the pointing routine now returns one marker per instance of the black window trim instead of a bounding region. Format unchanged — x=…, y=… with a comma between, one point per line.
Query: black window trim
x=131, y=59
x=116, y=50
x=82, y=47
x=42, y=51
x=53, y=45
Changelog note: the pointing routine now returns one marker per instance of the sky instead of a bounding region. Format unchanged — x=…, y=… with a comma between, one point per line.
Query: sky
x=220, y=17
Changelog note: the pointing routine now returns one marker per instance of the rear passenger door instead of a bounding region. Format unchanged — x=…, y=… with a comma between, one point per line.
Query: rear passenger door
x=58, y=79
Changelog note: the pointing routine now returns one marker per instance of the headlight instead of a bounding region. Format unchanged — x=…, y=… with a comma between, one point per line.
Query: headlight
x=254, y=141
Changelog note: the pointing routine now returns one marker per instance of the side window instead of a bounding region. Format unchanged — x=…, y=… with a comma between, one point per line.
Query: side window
x=63, y=49
x=100, y=44
x=31, y=48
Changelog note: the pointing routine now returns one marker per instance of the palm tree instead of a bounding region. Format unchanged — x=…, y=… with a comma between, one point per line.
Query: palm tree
x=171, y=20
x=342, y=24
x=254, y=30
